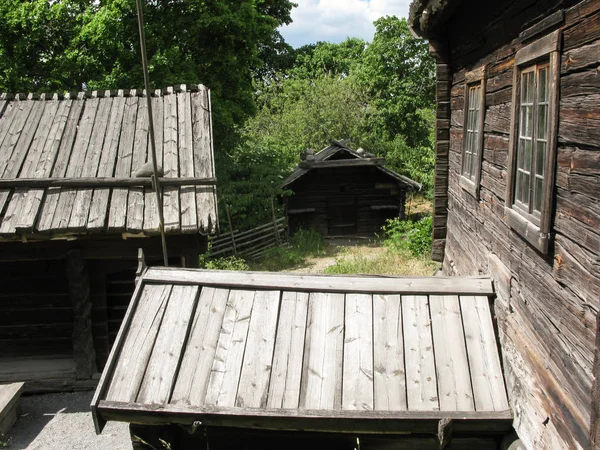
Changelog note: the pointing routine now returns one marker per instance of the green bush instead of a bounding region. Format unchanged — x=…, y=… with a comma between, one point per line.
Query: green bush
x=225, y=263
x=407, y=235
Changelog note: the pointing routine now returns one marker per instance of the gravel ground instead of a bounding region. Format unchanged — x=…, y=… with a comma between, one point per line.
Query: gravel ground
x=63, y=422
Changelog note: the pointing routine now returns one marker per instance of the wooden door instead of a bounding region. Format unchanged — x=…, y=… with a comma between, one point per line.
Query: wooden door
x=341, y=215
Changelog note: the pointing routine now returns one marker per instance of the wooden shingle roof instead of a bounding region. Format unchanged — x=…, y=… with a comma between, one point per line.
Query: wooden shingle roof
x=287, y=351
x=104, y=135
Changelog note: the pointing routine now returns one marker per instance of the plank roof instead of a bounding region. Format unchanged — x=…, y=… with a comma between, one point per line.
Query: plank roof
x=102, y=136
x=341, y=147
x=286, y=351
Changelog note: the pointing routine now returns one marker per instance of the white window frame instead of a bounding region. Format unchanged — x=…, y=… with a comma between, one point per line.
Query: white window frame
x=534, y=226
x=473, y=132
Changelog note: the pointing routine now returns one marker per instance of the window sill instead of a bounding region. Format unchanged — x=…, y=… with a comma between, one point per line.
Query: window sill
x=469, y=186
x=527, y=230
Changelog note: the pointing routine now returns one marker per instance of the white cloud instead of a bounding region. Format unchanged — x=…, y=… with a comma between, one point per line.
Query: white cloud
x=335, y=20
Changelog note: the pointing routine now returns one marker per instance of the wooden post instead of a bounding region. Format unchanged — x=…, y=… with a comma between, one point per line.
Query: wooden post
x=231, y=229
x=84, y=353
x=141, y=265
x=275, y=229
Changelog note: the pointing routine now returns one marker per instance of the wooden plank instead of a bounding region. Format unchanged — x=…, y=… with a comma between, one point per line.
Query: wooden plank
x=189, y=217
x=452, y=365
x=388, y=354
x=489, y=391
x=97, y=219
x=203, y=159
x=227, y=365
x=150, y=205
x=357, y=385
x=48, y=208
x=258, y=357
x=421, y=380
x=44, y=166
x=80, y=208
x=20, y=200
x=541, y=47
x=22, y=142
x=326, y=164
x=171, y=165
x=101, y=182
x=74, y=167
x=192, y=379
x=12, y=130
x=10, y=112
x=380, y=422
x=135, y=198
x=284, y=388
x=324, y=283
x=322, y=368
x=135, y=351
x=162, y=366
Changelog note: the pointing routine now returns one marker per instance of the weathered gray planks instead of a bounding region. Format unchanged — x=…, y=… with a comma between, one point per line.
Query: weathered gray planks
x=258, y=354
x=388, y=354
x=357, y=386
x=171, y=200
x=118, y=212
x=106, y=168
x=484, y=362
x=322, y=367
x=137, y=347
x=80, y=207
x=74, y=168
x=192, y=380
x=227, y=365
x=322, y=283
x=19, y=200
x=135, y=198
x=452, y=366
x=203, y=159
x=284, y=388
x=150, y=205
x=189, y=218
x=421, y=380
x=162, y=366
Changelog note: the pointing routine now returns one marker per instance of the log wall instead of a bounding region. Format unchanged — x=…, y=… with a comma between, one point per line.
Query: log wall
x=332, y=199
x=547, y=305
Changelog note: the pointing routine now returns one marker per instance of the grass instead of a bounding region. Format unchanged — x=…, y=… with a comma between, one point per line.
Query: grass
x=353, y=260
x=303, y=245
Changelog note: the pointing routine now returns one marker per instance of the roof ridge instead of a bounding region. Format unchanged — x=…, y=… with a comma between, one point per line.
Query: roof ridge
x=101, y=93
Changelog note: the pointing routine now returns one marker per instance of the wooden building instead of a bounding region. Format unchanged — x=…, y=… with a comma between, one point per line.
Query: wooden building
x=516, y=192
x=340, y=192
x=73, y=214
x=265, y=359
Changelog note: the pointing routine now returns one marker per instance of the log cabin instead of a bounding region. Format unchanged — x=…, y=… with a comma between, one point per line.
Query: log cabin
x=75, y=209
x=517, y=183
x=339, y=192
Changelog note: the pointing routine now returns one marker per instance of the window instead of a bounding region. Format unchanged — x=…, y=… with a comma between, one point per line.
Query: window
x=532, y=150
x=472, y=151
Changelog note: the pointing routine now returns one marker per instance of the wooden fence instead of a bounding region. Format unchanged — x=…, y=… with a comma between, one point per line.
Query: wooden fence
x=250, y=244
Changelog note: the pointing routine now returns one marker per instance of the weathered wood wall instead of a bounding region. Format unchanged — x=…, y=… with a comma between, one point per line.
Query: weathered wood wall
x=547, y=305
x=332, y=198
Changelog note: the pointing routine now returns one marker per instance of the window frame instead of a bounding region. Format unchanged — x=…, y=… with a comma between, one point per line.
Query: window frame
x=534, y=229
x=470, y=181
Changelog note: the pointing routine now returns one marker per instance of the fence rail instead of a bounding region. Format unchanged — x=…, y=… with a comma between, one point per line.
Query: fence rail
x=251, y=243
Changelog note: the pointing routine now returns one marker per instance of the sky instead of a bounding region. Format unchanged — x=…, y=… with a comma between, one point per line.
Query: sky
x=335, y=20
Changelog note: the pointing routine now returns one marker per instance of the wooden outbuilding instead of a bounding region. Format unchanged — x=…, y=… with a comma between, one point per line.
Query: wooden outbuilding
x=73, y=215
x=516, y=193
x=339, y=191
x=268, y=358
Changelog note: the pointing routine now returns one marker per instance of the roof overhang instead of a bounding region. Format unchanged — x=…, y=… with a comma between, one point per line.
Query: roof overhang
x=426, y=17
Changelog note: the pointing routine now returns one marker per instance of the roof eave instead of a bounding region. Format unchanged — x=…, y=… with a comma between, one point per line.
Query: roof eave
x=426, y=17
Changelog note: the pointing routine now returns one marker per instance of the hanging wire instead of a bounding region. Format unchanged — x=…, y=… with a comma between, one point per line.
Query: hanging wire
x=155, y=181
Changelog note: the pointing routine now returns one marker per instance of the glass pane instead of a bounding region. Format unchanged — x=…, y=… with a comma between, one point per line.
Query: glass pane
x=519, y=186
x=539, y=189
x=543, y=85
x=529, y=121
x=527, y=87
x=542, y=118
x=527, y=155
x=520, y=153
x=539, y=162
x=525, y=189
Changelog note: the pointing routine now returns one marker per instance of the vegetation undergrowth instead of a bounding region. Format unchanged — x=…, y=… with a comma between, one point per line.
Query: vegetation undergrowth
x=410, y=236
x=224, y=263
x=303, y=244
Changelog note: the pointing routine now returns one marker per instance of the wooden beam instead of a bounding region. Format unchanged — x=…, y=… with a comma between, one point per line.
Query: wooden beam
x=108, y=182
x=382, y=422
x=341, y=163
x=322, y=283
